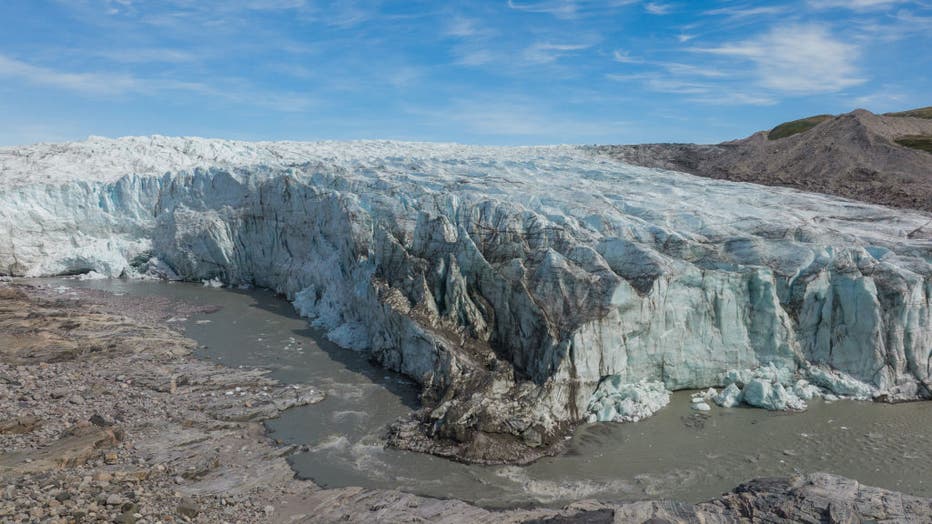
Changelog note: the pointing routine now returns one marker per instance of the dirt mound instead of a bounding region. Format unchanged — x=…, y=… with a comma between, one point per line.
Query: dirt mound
x=858, y=155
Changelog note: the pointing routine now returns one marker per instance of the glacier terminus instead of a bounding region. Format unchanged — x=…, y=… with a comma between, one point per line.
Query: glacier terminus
x=527, y=289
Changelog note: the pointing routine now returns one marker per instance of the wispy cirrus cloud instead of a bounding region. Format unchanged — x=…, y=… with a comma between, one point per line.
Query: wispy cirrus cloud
x=354, y=65
x=518, y=117
x=698, y=89
x=557, y=8
x=657, y=8
x=547, y=52
x=114, y=84
x=704, y=71
x=857, y=5
x=569, y=9
x=624, y=57
x=728, y=97
x=464, y=27
x=148, y=55
x=796, y=59
x=746, y=11
x=889, y=98
x=89, y=83
x=473, y=56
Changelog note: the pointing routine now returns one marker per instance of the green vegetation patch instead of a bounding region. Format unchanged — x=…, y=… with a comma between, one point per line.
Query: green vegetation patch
x=796, y=126
x=922, y=112
x=920, y=142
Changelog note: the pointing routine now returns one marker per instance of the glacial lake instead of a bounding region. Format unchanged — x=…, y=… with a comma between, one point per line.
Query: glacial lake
x=678, y=453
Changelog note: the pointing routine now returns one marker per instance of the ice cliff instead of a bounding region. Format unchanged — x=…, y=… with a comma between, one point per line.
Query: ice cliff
x=511, y=282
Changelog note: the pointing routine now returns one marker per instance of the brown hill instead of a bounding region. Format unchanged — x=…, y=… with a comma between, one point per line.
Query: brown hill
x=882, y=159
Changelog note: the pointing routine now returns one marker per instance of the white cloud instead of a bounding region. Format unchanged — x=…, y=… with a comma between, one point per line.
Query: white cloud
x=857, y=5
x=463, y=27
x=699, y=91
x=888, y=99
x=274, y=5
x=133, y=56
x=473, y=56
x=545, y=53
x=110, y=84
x=676, y=68
x=678, y=87
x=631, y=77
x=625, y=57
x=797, y=59
x=557, y=8
x=94, y=83
x=567, y=9
x=733, y=98
x=518, y=117
x=746, y=12
x=403, y=77
x=656, y=8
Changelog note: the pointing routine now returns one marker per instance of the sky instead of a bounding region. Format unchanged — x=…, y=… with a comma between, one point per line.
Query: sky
x=477, y=72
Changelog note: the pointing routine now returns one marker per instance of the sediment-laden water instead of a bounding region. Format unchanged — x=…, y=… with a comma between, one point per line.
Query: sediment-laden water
x=678, y=453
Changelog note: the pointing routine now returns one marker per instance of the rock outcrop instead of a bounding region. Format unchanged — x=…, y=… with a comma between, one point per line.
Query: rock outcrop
x=510, y=282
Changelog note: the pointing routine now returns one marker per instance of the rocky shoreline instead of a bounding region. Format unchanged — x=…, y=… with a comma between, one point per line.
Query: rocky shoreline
x=105, y=415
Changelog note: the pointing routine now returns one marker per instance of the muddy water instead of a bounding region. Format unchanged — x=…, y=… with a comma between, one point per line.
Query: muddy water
x=678, y=453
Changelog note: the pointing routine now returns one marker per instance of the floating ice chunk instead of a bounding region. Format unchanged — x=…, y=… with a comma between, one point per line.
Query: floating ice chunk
x=840, y=383
x=702, y=396
x=214, y=282
x=738, y=377
x=157, y=269
x=806, y=391
x=763, y=394
x=701, y=406
x=92, y=275
x=769, y=387
x=730, y=397
x=614, y=401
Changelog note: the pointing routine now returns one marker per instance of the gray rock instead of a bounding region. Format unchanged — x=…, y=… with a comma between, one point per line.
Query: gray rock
x=188, y=508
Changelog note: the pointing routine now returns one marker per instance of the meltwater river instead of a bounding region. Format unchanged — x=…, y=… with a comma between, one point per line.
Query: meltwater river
x=678, y=453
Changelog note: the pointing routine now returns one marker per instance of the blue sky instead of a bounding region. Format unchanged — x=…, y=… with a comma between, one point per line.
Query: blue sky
x=489, y=72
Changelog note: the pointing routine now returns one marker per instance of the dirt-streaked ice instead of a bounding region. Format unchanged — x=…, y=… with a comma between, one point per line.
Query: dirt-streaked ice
x=526, y=275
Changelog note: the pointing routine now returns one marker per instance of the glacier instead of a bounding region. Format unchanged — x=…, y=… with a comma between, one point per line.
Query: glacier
x=511, y=282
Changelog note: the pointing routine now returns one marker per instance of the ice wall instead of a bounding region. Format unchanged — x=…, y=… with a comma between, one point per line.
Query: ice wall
x=509, y=281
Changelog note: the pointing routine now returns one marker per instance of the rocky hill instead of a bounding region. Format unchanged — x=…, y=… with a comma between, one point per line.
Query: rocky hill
x=881, y=159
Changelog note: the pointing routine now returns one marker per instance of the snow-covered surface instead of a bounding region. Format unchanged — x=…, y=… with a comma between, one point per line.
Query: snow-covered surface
x=567, y=266
x=100, y=159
